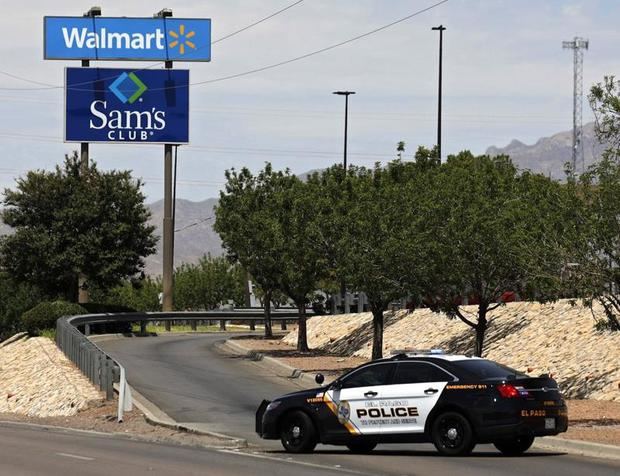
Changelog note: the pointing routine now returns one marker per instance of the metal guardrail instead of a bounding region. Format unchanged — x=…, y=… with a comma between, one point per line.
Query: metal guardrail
x=103, y=371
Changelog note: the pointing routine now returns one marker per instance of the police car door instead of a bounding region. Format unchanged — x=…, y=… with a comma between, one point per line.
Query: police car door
x=416, y=387
x=356, y=399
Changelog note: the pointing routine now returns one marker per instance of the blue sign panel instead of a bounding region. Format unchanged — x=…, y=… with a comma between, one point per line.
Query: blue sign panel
x=123, y=105
x=101, y=38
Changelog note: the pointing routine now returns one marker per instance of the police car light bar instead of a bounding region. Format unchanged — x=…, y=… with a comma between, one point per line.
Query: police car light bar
x=417, y=352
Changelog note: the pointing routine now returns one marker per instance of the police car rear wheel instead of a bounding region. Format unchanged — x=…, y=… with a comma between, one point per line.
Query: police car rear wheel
x=452, y=434
x=514, y=446
x=361, y=447
x=297, y=433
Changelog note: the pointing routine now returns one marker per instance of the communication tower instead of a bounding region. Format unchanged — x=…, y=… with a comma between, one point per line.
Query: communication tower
x=577, y=45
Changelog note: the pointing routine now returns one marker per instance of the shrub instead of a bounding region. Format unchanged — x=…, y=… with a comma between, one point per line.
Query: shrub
x=44, y=315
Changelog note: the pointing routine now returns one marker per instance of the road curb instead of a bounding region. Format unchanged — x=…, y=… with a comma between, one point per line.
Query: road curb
x=585, y=448
x=155, y=416
x=272, y=363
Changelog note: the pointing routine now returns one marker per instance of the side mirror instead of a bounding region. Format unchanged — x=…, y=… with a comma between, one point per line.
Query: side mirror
x=319, y=379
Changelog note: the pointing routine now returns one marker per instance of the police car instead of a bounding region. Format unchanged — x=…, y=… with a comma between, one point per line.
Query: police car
x=453, y=401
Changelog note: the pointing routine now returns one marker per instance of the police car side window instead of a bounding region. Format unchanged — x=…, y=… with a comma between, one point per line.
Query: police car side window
x=368, y=377
x=419, y=372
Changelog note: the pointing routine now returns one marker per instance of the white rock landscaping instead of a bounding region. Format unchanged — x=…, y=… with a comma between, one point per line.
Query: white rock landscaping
x=36, y=379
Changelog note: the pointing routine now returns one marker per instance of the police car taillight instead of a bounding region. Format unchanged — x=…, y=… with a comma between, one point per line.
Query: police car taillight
x=507, y=390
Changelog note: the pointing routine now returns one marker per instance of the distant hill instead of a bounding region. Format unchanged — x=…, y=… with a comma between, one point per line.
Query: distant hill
x=194, y=234
x=549, y=154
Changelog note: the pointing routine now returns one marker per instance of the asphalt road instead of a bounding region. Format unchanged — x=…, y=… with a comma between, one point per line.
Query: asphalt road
x=192, y=382
x=30, y=451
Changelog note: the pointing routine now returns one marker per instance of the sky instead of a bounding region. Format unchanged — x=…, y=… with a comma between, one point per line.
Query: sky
x=505, y=76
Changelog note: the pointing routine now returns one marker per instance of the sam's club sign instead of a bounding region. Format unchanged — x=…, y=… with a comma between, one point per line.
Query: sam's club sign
x=124, y=105
x=103, y=38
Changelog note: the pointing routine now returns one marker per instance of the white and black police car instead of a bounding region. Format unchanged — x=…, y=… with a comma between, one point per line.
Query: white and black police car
x=453, y=401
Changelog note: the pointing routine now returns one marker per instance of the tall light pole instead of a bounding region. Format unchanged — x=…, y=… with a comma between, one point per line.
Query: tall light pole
x=440, y=29
x=346, y=95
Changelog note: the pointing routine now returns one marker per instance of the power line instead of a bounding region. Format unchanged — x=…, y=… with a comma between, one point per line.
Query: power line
x=281, y=63
x=225, y=37
x=256, y=22
x=194, y=224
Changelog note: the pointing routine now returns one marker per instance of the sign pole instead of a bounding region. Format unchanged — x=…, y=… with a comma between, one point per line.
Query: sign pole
x=83, y=297
x=168, y=232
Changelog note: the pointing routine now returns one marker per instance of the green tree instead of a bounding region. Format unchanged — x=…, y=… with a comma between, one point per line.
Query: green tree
x=598, y=269
x=247, y=224
x=496, y=230
x=605, y=102
x=15, y=299
x=207, y=284
x=301, y=252
x=68, y=223
x=379, y=234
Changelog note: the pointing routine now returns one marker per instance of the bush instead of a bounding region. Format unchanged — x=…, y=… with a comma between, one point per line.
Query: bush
x=44, y=315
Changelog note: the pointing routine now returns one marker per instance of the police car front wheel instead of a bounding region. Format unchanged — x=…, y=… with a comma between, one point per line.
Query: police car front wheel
x=514, y=446
x=297, y=433
x=452, y=434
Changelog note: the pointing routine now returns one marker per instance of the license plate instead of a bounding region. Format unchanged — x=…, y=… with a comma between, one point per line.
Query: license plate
x=549, y=423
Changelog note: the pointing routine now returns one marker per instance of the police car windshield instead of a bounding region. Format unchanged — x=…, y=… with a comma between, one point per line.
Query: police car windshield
x=486, y=369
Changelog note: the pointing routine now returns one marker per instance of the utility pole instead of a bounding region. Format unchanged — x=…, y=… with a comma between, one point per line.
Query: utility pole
x=577, y=45
x=84, y=158
x=168, y=224
x=346, y=95
x=441, y=29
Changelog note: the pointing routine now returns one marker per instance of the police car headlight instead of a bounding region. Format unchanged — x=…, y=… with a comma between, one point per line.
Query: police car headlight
x=273, y=405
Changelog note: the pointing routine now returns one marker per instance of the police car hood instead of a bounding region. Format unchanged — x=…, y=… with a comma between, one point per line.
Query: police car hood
x=313, y=392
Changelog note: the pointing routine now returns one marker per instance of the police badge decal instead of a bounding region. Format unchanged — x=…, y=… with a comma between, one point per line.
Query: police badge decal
x=344, y=412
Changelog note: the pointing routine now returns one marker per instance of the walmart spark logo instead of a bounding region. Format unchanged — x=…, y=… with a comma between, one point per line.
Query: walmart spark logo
x=128, y=88
x=181, y=39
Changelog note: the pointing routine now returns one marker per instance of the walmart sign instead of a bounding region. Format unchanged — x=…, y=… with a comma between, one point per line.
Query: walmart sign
x=101, y=38
x=119, y=105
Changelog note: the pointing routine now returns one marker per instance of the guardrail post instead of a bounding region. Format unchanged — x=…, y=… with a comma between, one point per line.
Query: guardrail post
x=86, y=329
x=283, y=324
x=143, y=328
x=347, y=303
x=252, y=325
x=109, y=391
x=102, y=372
x=193, y=324
x=222, y=324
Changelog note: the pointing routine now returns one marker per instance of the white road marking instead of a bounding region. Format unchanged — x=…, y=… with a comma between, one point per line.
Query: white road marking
x=69, y=455
x=292, y=461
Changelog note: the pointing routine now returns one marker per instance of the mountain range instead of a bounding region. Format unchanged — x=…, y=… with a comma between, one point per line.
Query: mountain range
x=549, y=154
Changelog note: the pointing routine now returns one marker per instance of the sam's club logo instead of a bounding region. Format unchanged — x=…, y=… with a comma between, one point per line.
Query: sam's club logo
x=128, y=88
x=127, y=123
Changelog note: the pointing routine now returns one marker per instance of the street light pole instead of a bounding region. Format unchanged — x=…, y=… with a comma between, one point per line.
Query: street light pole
x=439, y=28
x=346, y=95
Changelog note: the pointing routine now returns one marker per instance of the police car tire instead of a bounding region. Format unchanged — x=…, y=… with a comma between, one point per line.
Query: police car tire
x=448, y=443
x=297, y=433
x=514, y=446
x=361, y=447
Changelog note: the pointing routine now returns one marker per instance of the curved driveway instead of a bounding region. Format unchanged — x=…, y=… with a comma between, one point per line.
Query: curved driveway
x=187, y=378
x=192, y=382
